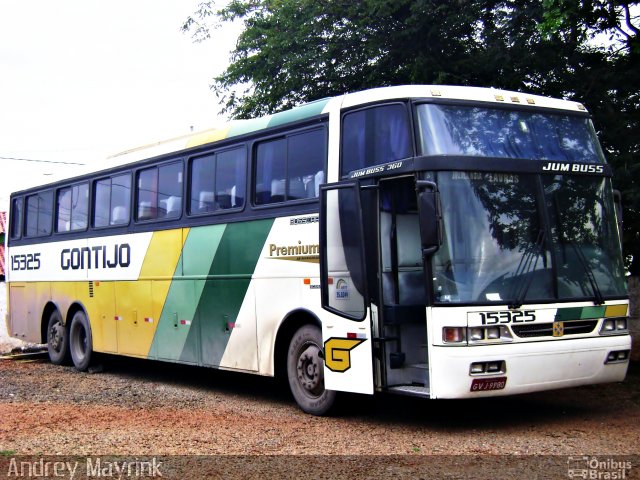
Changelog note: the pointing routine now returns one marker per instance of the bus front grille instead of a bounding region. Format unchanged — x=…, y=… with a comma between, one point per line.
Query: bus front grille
x=546, y=329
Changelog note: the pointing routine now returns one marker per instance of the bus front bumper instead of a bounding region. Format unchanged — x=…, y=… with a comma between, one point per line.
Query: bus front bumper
x=527, y=367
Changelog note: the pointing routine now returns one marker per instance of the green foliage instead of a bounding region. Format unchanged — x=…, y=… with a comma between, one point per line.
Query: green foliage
x=292, y=51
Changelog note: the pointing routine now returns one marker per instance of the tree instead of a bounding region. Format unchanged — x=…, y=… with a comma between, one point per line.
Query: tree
x=292, y=51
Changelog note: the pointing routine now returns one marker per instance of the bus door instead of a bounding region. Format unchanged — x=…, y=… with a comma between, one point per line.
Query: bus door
x=402, y=329
x=346, y=333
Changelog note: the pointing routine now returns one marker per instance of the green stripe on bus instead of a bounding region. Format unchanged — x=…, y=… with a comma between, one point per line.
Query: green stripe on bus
x=579, y=313
x=593, y=312
x=299, y=113
x=240, y=127
x=222, y=294
x=197, y=256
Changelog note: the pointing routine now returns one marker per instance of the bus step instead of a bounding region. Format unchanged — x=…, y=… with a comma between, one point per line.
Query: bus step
x=411, y=390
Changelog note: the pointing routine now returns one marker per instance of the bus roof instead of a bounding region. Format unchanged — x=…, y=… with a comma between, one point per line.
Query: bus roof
x=316, y=108
x=349, y=100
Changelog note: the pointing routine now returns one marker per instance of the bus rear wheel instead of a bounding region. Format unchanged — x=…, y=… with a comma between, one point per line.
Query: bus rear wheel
x=80, y=341
x=305, y=371
x=57, y=340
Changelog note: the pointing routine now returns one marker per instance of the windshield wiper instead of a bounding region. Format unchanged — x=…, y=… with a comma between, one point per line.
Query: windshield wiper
x=597, y=294
x=598, y=298
x=528, y=264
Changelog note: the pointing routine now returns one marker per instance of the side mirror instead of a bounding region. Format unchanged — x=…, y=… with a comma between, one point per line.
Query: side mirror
x=430, y=217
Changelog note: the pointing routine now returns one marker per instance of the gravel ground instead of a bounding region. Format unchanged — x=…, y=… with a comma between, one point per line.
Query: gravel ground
x=250, y=425
x=138, y=408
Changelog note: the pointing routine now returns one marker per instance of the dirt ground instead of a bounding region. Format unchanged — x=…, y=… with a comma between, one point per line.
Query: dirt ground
x=141, y=408
x=203, y=423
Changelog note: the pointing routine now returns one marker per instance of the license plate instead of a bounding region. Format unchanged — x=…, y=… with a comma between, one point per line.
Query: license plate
x=485, y=384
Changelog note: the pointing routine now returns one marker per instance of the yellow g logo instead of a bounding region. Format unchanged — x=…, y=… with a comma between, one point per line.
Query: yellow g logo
x=337, y=353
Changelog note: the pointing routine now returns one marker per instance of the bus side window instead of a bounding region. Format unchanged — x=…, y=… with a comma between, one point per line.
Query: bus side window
x=270, y=170
x=306, y=154
x=39, y=214
x=374, y=136
x=120, y=203
x=159, y=192
x=170, y=190
x=290, y=168
x=63, y=223
x=230, y=178
x=72, y=208
x=201, y=174
x=112, y=200
x=102, y=202
x=16, y=218
x=217, y=181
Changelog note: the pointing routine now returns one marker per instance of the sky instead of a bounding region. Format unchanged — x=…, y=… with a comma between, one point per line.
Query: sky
x=82, y=80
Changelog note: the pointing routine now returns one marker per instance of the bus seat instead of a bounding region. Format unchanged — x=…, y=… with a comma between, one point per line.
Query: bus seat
x=410, y=270
x=296, y=189
x=205, y=201
x=319, y=180
x=144, y=211
x=277, y=190
x=174, y=205
x=223, y=200
x=409, y=245
x=410, y=276
x=119, y=215
x=233, y=196
x=80, y=224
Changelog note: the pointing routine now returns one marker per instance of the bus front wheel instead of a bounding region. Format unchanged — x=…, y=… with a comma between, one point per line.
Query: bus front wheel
x=305, y=371
x=57, y=341
x=80, y=341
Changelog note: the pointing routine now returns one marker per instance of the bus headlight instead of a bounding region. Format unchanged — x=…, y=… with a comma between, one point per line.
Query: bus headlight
x=493, y=333
x=489, y=334
x=488, y=368
x=476, y=333
x=619, y=356
x=614, y=326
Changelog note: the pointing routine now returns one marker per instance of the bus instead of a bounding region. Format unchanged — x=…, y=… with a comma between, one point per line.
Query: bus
x=433, y=241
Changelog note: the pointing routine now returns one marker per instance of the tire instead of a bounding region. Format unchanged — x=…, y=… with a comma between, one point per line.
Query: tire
x=57, y=340
x=80, y=342
x=305, y=372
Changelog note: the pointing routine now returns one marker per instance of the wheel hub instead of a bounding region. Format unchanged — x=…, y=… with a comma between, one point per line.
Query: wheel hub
x=310, y=369
x=55, y=337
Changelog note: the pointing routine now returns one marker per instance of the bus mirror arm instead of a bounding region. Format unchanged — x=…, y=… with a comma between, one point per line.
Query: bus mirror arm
x=430, y=214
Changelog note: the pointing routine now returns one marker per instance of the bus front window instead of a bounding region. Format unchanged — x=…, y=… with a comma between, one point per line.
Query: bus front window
x=502, y=133
x=500, y=248
x=490, y=224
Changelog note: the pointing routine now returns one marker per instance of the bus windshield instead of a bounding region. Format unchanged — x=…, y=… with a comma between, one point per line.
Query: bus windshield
x=510, y=238
x=506, y=133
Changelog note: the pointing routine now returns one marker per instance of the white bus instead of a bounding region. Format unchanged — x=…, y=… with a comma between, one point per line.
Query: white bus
x=442, y=242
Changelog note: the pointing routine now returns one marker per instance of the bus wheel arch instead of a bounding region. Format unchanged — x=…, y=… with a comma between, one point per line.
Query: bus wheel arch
x=290, y=324
x=80, y=338
x=55, y=333
x=301, y=339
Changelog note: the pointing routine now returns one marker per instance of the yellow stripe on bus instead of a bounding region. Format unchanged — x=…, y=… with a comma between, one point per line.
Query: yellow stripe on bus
x=616, y=311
